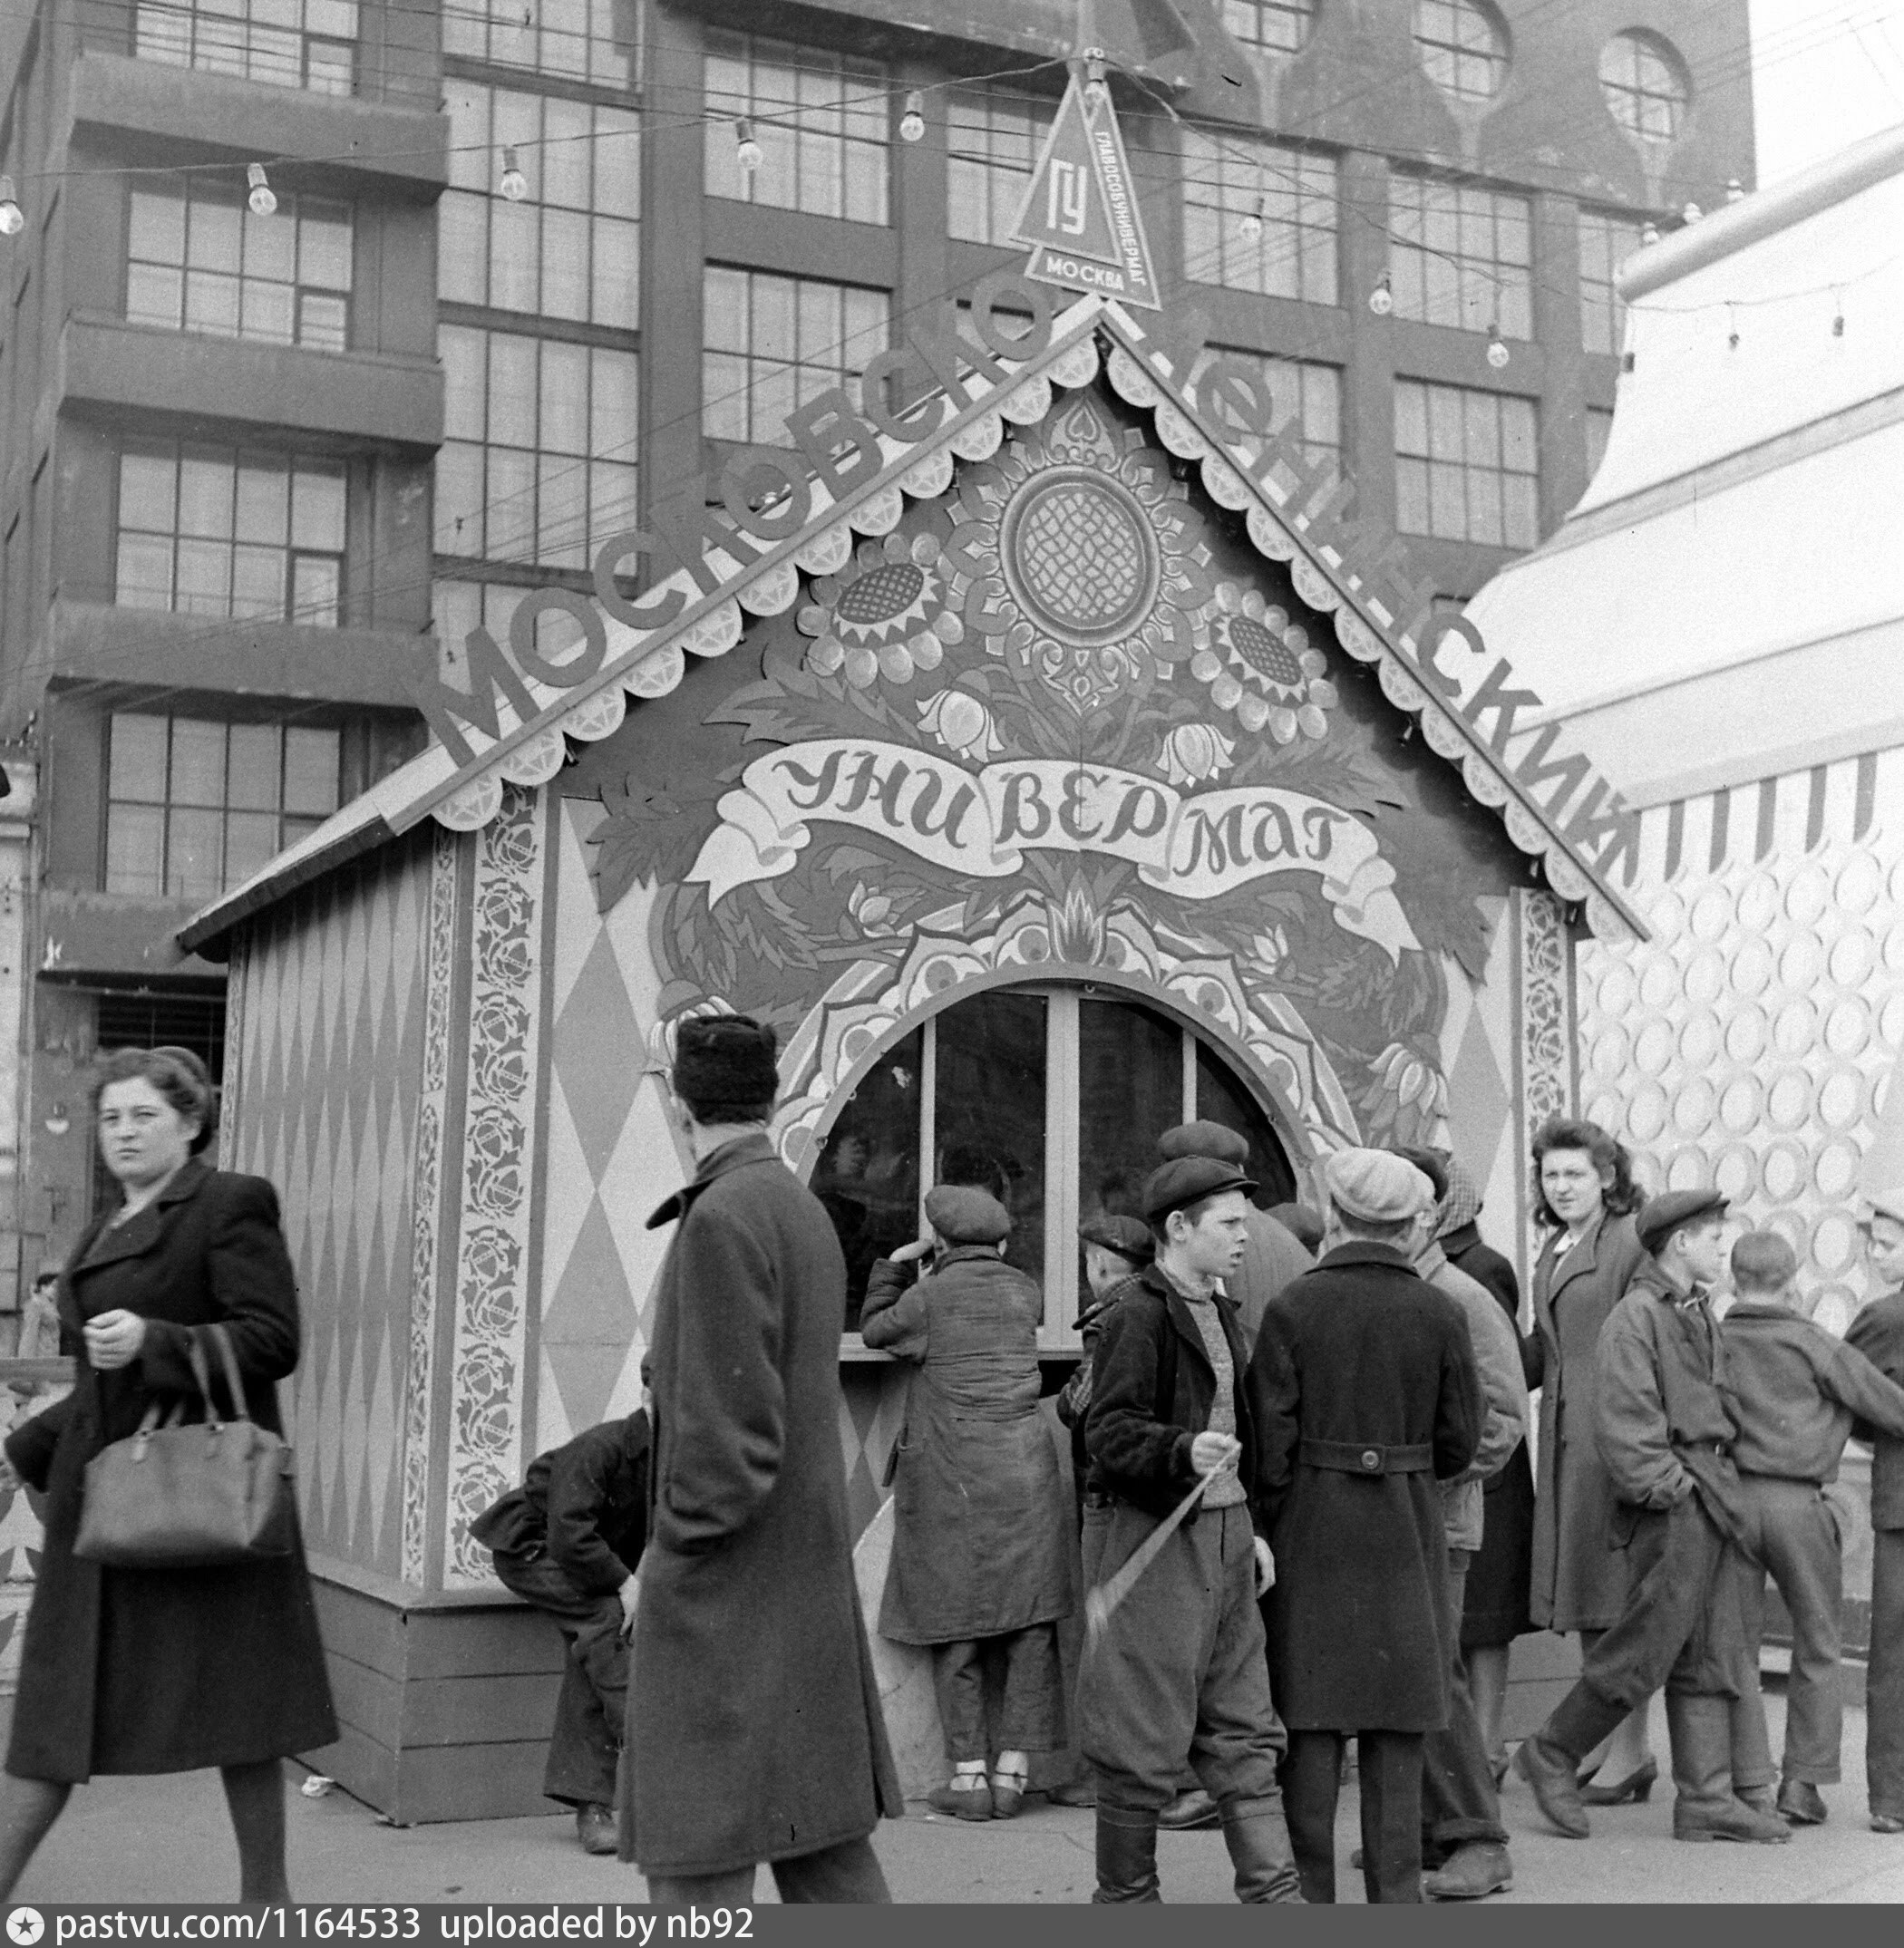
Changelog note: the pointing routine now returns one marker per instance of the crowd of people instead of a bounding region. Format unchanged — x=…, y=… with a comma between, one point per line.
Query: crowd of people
x=1308, y=1511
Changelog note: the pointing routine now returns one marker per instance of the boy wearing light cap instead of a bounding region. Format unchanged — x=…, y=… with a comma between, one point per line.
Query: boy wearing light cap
x=1178, y=1666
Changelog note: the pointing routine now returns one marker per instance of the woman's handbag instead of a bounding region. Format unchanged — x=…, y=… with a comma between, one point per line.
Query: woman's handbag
x=191, y=1497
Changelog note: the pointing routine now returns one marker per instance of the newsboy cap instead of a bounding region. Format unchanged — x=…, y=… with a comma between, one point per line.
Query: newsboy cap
x=964, y=1215
x=725, y=1057
x=1129, y=1237
x=1664, y=1214
x=1300, y=1221
x=1885, y=1204
x=1376, y=1186
x=1204, y=1139
x=1187, y=1180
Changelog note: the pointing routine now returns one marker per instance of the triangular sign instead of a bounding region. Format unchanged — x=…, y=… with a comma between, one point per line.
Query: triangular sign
x=1080, y=213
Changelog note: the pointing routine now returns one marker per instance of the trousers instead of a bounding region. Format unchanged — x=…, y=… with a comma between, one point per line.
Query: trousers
x=1180, y=1667
x=1459, y=1801
x=1031, y=1711
x=1796, y=1535
x=1884, y=1697
x=834, y=1876
x=591, y=1708
x=1390, y=1766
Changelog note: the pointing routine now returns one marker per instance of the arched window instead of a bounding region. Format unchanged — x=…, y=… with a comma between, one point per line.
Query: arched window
x=1053, y=1099
x=1463, y=47
x=1646, y=86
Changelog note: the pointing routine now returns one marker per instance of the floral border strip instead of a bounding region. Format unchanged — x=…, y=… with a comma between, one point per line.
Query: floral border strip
x=425, y=1201
x=492, y=1276
x=1547, y=1018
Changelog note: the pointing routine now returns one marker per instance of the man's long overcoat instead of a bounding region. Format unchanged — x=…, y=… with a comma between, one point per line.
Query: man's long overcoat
x=1364, y=1394
x=754, y=1729
x=981, y=1543
x=167, y=1671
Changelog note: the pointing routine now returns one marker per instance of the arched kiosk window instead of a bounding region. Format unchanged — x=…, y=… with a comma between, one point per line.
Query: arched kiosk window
x=1051, y=1098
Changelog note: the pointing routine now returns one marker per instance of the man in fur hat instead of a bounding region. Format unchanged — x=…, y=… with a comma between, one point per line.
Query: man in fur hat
x=754, y=1731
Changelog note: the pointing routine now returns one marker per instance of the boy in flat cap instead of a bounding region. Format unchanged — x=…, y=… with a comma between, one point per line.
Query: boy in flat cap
x=1365, y=1396
x=981, y=1556
x=1178, y=1666
x=1877, y=1333
x=1664, y=1432
x=754, y=1730
x=1796, y=1390
x=1272, y=1255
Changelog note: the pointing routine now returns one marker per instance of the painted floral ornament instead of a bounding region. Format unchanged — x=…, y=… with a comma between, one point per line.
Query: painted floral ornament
x=961, y=723
x=1262, y=665
x=884, y=614
x=1194, y=752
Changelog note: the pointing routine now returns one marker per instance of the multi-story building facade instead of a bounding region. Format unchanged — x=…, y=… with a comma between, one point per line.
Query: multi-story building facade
x=519, y=270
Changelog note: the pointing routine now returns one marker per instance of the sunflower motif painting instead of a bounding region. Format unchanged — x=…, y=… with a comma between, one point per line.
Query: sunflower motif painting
x=884, y=614
x=1263, y=667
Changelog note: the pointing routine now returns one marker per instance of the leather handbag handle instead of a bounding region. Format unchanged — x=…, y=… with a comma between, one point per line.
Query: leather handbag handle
x=234, y=1380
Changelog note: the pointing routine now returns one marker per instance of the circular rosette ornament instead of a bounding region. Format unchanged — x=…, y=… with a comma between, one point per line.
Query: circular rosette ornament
x=1263, y=666
x=884, y=614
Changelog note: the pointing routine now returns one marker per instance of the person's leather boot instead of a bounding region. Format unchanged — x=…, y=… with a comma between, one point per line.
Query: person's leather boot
x=596, y=1827
x=1552, y=1774
x=1706, y=1808
x=1257, y=1838
x=1191, y=1811
x=1126, y=1855
x=1474, y=1870
x=1800, y=1803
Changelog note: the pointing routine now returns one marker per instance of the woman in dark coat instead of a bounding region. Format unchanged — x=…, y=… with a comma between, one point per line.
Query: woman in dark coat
x=1495, y=1610
x=130, y=1671
x=1584, y=1194
x=981, y=1550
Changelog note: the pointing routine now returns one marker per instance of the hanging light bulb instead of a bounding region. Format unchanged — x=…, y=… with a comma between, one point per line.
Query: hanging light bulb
x=13, y=218
x=912, y=123
x=1252, y=223
x=1097, y=90
x=1649, y=232
x=1381, y=299
x=1498, y=354
x=1838, y=314
x=1691, y=213
x=263, y=203
x=1734, y=191
x=747, y=153
x=514, y=184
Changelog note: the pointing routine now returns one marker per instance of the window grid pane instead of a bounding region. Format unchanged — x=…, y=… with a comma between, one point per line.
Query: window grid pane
x=1463, y=49
x=193, y=829
x=1231, y=178
x=1460, y=256
x=822, y=118
x=797, y=337
x=1466, y=468
x=288, y=43
x=582, y=40
x=1282, y=27
x=992, y=140
x=1304, y=396
x=1606, y=243
x=1645, y=86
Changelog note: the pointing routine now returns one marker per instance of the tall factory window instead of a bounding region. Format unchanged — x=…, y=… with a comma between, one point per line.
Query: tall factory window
x=1258, y=217
x=1606, y=243
x=1600, y=429
x=822, y=120
x=584, y=39
x=1282, y=27
x=197, y=259
x=1461, y=256
x=209, y=530
x=1645, y=85
x=1463, y=47
x=1307, y=396
x=540, y=440
x=992, y=140
x=772, y=344
x=194, y=807
x=1465, y=465
x=291, y=44
x=571, y=248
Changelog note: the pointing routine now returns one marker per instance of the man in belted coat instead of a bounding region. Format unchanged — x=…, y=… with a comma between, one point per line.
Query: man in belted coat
x=1364, y=1395
x=1665, y=1430
x=754, y=1731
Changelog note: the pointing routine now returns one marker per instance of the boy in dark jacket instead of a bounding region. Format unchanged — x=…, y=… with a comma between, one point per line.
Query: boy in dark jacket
x=568, y=1541
x=1178, y=1666
x=1796, y=1389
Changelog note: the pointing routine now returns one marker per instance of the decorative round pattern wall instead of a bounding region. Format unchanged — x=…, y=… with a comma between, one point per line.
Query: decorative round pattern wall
x=1080, y=555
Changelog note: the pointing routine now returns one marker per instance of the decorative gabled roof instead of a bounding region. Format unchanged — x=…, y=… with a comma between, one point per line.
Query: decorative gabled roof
x=1235, y=470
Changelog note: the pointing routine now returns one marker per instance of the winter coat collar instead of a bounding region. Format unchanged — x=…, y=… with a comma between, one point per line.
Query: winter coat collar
x=1366, y=1251
x=1575, y=1261
x=1463, y=1237
x=1761, y=1309
x=1651, y=1278
x=141, y=1231
x=756, y=1146
x=1154, y=1279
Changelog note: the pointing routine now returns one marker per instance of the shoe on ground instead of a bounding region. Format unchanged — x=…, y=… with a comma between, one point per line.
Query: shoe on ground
x=1887, y=1823
x=597, y=1829
x=1008, y=1794
x=1634, y=1789
x=1800, y=1803
x=1734, y=1820
x=1189, y=1811
x=962, y=1802
x=1557, y=1791
x=1079, y=1792
x=1760, y=1798
x=1471, y=1872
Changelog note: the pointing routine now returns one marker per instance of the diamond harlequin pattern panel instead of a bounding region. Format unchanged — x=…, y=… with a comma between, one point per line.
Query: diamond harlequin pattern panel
x=329, y=1049
x=1750, y=1042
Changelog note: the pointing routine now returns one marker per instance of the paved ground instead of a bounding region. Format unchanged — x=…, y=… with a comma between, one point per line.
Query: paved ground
x=166, y=1839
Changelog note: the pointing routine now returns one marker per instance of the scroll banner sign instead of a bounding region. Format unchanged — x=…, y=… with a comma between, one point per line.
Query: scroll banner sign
x=981, y=824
